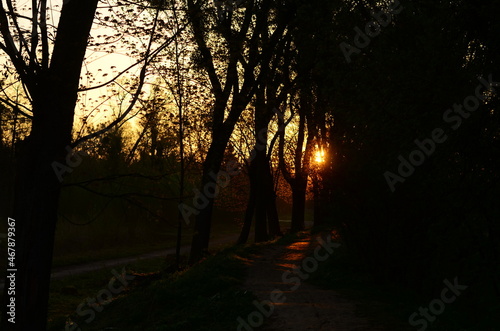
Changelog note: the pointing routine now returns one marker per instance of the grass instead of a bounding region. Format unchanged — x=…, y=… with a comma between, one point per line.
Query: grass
x=108, y=253
x=114, y=250
x=111, y=249
x=208, y=296
x=67, y=293
x=205, y=297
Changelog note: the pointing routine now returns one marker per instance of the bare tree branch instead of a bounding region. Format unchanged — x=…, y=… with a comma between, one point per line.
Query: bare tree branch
x=10, y=48
x=22, y=41
x=134, y=64
x=34, y=33
x=44, y=34
x=148, y=57
x=15, y=107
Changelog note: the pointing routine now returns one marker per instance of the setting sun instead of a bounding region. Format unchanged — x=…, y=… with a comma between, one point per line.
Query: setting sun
x=319, y=156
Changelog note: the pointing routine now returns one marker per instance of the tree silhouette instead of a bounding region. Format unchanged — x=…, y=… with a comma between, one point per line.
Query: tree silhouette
x=49, y=70
x=232, y=87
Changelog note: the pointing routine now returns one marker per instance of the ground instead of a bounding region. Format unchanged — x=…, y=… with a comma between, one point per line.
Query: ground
x=72, y=270
x=307, y=307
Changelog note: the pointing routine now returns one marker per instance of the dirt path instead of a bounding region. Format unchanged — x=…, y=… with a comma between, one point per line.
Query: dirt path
x=306, y=307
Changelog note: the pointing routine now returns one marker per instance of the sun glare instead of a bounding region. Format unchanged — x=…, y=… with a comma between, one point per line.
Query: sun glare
x=319, y=156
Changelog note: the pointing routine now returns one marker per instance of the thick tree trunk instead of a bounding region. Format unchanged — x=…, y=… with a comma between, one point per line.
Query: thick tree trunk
x=247, y=223
x=204, y=200
x=318, y=204
x=35, y=205
x=259, y=160
x=268, y=204
x=298, y=183
x=205, y=204
x=35, y=215
x=54, y=93
x=261, y=199
x=299, y=204
x=272, y=210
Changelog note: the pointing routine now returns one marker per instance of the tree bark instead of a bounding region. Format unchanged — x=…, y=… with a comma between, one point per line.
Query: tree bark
x=35, y=214
x=318, y=203
x=261, y=199
x=299, y=204
x=204, y=202
x=259, y=154
x=298, y=183
x=272, y=210
x=249, y=211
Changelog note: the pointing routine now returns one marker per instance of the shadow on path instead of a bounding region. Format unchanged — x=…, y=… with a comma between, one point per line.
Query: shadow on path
x=306, y=307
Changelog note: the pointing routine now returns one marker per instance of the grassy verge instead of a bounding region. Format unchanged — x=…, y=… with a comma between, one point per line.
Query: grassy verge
x=205, y=297
x=109, y=253
x=68, y=293
x=119, y=250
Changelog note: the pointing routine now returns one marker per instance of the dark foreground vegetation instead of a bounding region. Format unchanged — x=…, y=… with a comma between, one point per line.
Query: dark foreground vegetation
x=211, y=296
x=208, y=296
